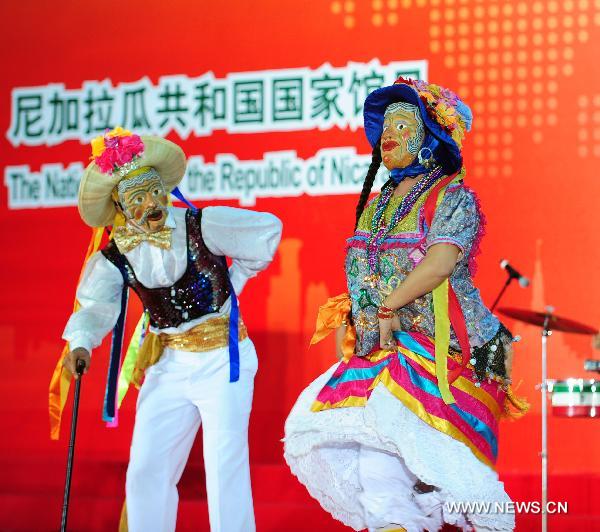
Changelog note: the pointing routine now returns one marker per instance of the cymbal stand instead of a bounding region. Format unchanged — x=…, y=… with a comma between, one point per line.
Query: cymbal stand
x=546, y=332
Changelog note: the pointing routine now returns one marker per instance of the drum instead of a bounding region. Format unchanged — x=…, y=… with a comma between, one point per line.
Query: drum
x=575, y=397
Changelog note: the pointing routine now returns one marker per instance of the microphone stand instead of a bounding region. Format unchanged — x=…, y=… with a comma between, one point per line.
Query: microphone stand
x=508, y=281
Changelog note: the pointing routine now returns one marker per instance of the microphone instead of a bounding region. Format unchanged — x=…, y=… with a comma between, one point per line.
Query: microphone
x=523, y=281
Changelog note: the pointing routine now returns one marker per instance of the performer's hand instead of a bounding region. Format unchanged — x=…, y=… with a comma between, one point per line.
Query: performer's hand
x=70, y=360
x=340, y=332
x=596, y=341
x=386, y=330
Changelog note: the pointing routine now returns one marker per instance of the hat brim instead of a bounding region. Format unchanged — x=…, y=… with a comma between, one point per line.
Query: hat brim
x=95, y=202
x=447, y=153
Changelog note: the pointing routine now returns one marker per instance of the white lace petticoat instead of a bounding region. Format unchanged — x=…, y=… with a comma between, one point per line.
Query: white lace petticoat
x=324, y=450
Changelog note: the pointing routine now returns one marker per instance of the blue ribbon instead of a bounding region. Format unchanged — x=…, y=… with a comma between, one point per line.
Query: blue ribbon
x=110, y=395
x=234, y=314
x=234, y=350
x=177, y=193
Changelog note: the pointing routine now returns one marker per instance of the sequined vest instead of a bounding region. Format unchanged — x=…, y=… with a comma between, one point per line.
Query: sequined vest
x=202, y=289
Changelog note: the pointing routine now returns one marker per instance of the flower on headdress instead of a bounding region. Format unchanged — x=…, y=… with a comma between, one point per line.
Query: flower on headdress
x=448, y=95
x=418, y=84
x=428, y=98
x=115, y=149
x=441, y=104
x=447, y=114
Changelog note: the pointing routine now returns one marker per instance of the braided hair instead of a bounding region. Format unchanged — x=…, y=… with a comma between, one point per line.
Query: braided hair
x=369, y=180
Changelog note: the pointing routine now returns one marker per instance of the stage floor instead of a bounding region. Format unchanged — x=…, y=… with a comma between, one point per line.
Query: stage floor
x=31, y=498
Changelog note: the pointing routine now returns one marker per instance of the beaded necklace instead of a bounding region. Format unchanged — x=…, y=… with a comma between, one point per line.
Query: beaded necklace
x=379, y=229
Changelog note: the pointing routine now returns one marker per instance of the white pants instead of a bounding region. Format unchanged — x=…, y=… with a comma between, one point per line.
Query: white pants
x=388, y=495
x=179, y=393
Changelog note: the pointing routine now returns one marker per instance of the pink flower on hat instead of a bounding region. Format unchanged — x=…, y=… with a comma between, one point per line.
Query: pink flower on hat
x=115, y=149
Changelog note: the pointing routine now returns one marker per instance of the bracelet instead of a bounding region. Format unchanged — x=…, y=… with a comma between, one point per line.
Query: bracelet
x=385, y=313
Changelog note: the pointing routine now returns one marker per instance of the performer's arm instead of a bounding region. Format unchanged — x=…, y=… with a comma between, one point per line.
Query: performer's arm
x=450, y=238
x=437, y=266
x=249, y=238
x=99, y=295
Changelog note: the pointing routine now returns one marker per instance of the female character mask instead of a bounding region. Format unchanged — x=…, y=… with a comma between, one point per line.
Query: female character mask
x=402, y=136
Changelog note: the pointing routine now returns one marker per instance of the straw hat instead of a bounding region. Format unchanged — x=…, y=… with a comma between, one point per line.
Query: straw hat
x=95, y=201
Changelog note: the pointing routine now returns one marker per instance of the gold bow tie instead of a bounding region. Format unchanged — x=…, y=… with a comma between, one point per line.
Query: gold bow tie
x=126, y=239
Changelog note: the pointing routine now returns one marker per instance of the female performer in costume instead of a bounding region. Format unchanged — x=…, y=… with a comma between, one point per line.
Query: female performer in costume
x=408, y=419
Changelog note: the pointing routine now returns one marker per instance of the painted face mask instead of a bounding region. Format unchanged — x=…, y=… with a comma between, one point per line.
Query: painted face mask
x=144, y=200
x=402, y=136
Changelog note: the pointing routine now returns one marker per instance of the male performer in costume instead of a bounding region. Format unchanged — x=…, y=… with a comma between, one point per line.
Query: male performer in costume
x=174, y=259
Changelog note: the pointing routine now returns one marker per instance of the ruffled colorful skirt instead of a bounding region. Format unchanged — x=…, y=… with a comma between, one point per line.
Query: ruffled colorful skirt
x=366, y=431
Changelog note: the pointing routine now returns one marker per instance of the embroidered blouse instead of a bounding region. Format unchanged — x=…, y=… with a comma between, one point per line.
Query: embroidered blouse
x=457, y=221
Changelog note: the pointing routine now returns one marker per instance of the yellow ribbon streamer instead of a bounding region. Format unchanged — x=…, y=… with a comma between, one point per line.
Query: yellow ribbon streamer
x=442, y=329
x=442, y=339
x=150, y=352
x=131, y=358
x=123, y=527
x=61, y=377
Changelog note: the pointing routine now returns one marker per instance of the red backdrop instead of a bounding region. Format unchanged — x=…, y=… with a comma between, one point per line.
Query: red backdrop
x=529, y=70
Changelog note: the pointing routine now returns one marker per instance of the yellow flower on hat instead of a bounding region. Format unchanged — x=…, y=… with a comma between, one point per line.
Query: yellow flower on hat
x=119, y=132
x=98, y=147
x=428, y=97
x=435, y=90
x=445, y=114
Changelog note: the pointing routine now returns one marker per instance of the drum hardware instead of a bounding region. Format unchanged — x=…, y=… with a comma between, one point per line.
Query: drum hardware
x=575, y=397
x=548, y=322
x=556, y=323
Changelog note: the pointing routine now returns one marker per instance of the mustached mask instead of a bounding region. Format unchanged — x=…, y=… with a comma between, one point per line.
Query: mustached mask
x=143, y=199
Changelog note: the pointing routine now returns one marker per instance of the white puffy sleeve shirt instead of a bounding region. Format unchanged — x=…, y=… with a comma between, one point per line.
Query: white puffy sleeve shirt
x=249, y=238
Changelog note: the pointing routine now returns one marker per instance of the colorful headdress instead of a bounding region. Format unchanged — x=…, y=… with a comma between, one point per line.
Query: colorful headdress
x=445, y=116
x=117, y=151
x=115, y=155
x=444, y=107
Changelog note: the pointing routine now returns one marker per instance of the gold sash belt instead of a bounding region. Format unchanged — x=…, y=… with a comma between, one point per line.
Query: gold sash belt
x=206, y=336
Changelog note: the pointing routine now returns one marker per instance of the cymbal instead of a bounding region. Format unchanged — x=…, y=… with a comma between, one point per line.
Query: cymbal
x=556, y=323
